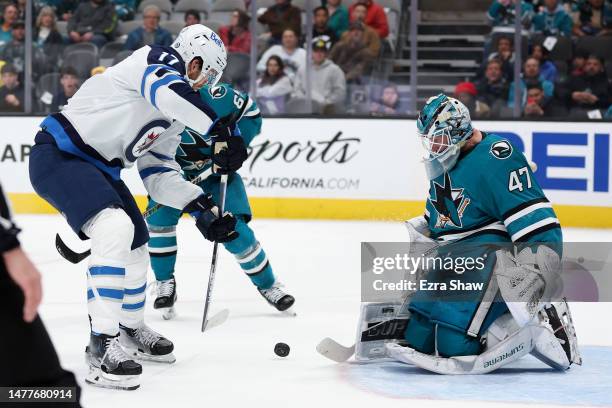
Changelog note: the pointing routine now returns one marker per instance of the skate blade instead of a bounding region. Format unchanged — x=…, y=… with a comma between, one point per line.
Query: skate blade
x=98, y=378
x=139, y=355
x=169, y=313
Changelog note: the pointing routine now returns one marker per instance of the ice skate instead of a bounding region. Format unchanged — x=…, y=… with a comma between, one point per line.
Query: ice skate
x=165, y=297
x=278, y=298
x=109, y=365
x=146, y=344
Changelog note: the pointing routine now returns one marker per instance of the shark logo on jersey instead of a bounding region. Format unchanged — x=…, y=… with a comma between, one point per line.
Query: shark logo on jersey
x=190, y=152
x=502, y=149
x=449, y=202
x=217, y=92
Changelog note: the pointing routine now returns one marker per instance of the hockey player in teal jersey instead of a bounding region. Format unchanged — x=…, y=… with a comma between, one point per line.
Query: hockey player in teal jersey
x=194, y=157
x=482, y=190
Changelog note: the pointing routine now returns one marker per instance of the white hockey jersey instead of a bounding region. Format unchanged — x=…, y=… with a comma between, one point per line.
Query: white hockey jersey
x=135, y=112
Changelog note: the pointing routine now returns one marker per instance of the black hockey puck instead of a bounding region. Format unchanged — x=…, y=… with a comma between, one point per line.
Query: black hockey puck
x=281, y=349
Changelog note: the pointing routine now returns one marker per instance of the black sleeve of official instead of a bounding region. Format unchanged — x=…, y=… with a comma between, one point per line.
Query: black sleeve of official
x=8, y=229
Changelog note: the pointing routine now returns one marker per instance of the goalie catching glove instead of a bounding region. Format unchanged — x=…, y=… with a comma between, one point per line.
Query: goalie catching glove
x=208, y=221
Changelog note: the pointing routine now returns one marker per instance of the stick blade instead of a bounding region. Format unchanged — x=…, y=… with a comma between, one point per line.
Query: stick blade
x=335, y=351
x=216, y=320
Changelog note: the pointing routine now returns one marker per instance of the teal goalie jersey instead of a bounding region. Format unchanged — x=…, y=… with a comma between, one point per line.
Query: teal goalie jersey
x=491, y=195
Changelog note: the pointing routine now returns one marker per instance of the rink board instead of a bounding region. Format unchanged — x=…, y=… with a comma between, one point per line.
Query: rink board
x=368, y=168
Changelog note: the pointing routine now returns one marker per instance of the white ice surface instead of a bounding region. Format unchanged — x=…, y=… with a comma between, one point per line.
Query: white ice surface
x=234, y=363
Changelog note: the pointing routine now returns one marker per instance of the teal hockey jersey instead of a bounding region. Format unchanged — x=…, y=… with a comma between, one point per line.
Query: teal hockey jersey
x=194, y=152
x=491, y=195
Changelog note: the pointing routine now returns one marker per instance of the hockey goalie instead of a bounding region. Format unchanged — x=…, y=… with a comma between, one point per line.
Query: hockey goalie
x=483, y=200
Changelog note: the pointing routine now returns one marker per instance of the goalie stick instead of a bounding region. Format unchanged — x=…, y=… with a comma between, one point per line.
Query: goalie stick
x=335, y=351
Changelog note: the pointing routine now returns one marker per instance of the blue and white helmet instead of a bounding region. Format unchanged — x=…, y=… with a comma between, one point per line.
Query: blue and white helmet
x=444, y=125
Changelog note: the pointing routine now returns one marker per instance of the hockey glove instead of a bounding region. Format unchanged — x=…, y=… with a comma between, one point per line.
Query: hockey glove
x=229, y=152
x=213, y=227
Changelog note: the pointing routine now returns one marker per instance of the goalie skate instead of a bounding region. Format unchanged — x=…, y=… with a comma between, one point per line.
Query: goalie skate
x=146, y=344
x=278, y=298
x=165, y=298
x=109, y=365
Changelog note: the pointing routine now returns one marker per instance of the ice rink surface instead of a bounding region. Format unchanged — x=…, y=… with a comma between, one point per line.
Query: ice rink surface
x=234, y=364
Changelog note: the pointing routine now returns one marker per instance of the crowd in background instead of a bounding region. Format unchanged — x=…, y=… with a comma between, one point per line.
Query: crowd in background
x=347, y=41
x=349, y=38
x=578, y=88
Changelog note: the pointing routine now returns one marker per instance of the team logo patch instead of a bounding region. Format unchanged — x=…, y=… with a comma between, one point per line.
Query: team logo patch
x=145, y=139
x=450, y=203
x=217, y=92
x=502, y=149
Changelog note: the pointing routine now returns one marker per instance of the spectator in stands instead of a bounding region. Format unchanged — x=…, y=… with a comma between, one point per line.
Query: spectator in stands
x=537, y=106
x=192, y=17
x=493, y=88
x=505, y=54
x=93, y=21
x=553, y=20
x=125, y=9
x=352, y=53
x=11, y=93
x=21, y=9
x=273, y=86
x=608, y=114
x=236, y=36
x=64, y=9
x=389, y=102
x=14, y=51
x=338, y=17
x=281, y=16
x=293, y=56
x=47, y=37
x=150, y=32
x=589, y=91
x=531, y=74
x=370, y=35
x=320, y=25
x=578, y=62
x=9, y=17
x=466, y=92
x=502, y=13
x=328, y=86
x=592, y=17
x=69, y=80
x=548, y=69
x=375, y=16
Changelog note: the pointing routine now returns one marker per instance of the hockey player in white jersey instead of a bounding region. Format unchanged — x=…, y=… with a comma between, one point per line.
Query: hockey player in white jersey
x=132, y=113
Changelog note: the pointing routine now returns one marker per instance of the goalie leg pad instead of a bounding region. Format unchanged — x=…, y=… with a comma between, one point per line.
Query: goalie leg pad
x=379, y=323
x=555, y=341
x=511, y=348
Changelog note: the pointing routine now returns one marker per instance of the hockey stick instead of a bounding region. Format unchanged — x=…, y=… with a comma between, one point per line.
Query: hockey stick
x=222, y=315
x=335, y=351
x=75, y=257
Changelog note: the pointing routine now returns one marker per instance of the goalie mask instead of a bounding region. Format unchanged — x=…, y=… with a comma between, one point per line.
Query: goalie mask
x=444, y=125
x=199, y=41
